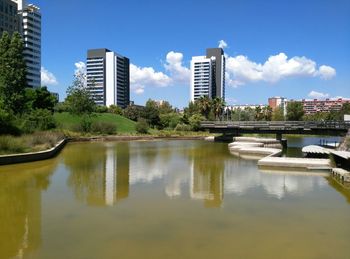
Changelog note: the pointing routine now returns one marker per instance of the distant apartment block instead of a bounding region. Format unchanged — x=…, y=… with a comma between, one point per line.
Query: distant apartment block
x=108, y=77
x=278, y=102
x=327, y=105
x=244, y=106
x=9, y=20
x=208, y=75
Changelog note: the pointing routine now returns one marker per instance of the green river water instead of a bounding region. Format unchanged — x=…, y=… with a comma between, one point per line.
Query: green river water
x=168, y=199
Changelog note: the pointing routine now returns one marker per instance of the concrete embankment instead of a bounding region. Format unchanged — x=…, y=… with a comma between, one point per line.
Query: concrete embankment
x=342, y=176
x=32, y=156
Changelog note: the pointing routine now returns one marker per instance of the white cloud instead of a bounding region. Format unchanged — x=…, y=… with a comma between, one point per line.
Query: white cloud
x=326, y=72
x=241, y=70
x=318, y=95
x=80, y=68
x=222, y=44
x=138, y=90
x=178, y=72
x=140, y=77
x=47, y=78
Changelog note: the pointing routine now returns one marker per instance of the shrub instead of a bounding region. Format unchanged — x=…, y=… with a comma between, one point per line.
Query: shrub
x=101, y=109
x=142, y=126
x=115, y=109
x=103, y=127
x=84, y=125
x=62, y=107
x=195, y=121
x=38, y=119
x=183, y=127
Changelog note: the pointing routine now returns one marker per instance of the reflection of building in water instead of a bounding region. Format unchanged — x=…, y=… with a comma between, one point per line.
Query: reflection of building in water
x=115, y=175
x=104, y=177
x=207, y=185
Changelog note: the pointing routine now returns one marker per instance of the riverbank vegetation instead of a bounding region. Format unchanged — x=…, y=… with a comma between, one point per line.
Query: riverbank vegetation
x=37, y=141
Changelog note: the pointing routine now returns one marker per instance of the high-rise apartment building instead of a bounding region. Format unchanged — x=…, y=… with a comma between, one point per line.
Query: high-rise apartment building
x=108, y=77
x=208, y=75
x=29, y=25
x=8, y=16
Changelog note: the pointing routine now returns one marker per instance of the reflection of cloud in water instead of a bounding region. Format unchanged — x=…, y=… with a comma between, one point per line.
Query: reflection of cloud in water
x=175, y=180
x=144, y=172
x=277, y=185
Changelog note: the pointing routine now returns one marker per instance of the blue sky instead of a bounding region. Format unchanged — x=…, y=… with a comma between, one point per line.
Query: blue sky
x=297, y=49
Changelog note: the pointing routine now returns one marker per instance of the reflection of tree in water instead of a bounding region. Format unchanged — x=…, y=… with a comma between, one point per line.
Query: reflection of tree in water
x=99, y=172
x=20, y=203
x=207, y=173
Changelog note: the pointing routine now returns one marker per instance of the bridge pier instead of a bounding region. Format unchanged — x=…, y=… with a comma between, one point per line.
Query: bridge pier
x=279, y=136
x=281, y=140
x=226, y=137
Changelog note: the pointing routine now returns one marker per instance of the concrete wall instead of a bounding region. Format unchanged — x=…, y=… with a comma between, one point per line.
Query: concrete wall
x=34, y=156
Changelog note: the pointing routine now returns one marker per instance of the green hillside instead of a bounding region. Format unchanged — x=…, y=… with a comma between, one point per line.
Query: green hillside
x=66, y=120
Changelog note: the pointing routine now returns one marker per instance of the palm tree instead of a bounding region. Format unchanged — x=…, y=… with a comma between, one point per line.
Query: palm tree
x=218, y=106
x=204, y=105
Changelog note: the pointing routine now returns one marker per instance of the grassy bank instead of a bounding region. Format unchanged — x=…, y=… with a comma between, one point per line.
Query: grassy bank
x=67, y=121
x=29, y=143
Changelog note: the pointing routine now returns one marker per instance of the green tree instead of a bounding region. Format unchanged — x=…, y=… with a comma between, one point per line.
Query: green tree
x=295, y=111
x=267, y=113
x=204, y=104
x=345, y=110
x=195, y=121
x=151, y=113
x=169, y=120
x=277, y=114
x=78, y=97
x=193, y=108
x=40, y=98
x=217, y=106
x=165, y=108
x=133, y=112
x=12, y=72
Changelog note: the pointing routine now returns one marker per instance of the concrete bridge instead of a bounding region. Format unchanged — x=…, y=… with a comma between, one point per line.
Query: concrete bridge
x=331, y=128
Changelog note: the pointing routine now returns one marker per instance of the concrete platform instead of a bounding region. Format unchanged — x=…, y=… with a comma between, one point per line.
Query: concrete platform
x=313, y=149
x=254, y=139
x=296, y=163
x=210, y=138
x=260, y=151
x=238, y=145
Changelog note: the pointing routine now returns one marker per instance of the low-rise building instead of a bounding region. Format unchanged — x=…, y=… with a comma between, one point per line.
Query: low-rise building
x=278, y=102
x=244, y=106
x=327, y=105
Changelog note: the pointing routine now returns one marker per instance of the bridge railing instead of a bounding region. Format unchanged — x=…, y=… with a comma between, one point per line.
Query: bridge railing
x=279, y=124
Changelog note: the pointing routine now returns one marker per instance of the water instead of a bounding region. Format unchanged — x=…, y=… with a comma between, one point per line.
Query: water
x=167, y=199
